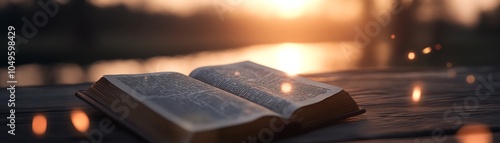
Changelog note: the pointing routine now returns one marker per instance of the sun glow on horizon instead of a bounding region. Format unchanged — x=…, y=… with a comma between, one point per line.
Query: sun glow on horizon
x=290, y=9
x=285, y=9
x=290, y=58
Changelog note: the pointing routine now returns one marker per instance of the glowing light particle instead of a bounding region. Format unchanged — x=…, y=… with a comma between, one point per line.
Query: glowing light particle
x=411, y=55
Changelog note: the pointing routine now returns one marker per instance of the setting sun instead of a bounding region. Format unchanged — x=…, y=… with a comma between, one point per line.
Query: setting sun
x=289, y=8
x=290, y=58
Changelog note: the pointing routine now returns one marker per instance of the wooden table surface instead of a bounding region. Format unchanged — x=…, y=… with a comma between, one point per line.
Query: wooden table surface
x=446, y=106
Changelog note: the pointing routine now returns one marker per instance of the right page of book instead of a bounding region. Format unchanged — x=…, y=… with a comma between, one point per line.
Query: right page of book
x=273, y=89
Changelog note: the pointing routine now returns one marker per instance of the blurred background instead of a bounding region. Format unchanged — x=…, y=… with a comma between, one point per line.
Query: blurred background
x=77, y=41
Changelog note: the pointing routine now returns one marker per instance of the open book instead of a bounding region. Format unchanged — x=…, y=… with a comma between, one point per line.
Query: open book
x=238, y=102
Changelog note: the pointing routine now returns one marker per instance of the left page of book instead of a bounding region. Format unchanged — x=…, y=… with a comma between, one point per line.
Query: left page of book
x=188, y=102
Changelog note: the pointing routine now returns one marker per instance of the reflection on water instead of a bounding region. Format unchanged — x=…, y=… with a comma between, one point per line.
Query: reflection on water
x=80, y=120
x=474, y=133
x=39, y=125
x=416, y=93
x=292, y=58
x=289, y=57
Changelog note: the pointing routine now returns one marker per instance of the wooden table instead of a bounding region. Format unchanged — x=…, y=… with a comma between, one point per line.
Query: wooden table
x=394, y=113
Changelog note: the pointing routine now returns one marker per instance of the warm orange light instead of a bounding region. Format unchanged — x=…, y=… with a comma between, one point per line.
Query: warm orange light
x=289, y=58
x=289, y=8
x=345, y=10
x=69, y=74
x=177, y=7
x=427, y=50
x=393, y=36
x=411, y=56
x=292, y=58
x=416, y=94
x=30, y=75
x=470, y=79
x=100, y=68
x=286, y=87
x=39, y=125
x=80, y=120
x=474, y=133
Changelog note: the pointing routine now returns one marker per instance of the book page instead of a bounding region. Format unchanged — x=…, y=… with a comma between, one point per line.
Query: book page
x=268, y=87
x=188, y=102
